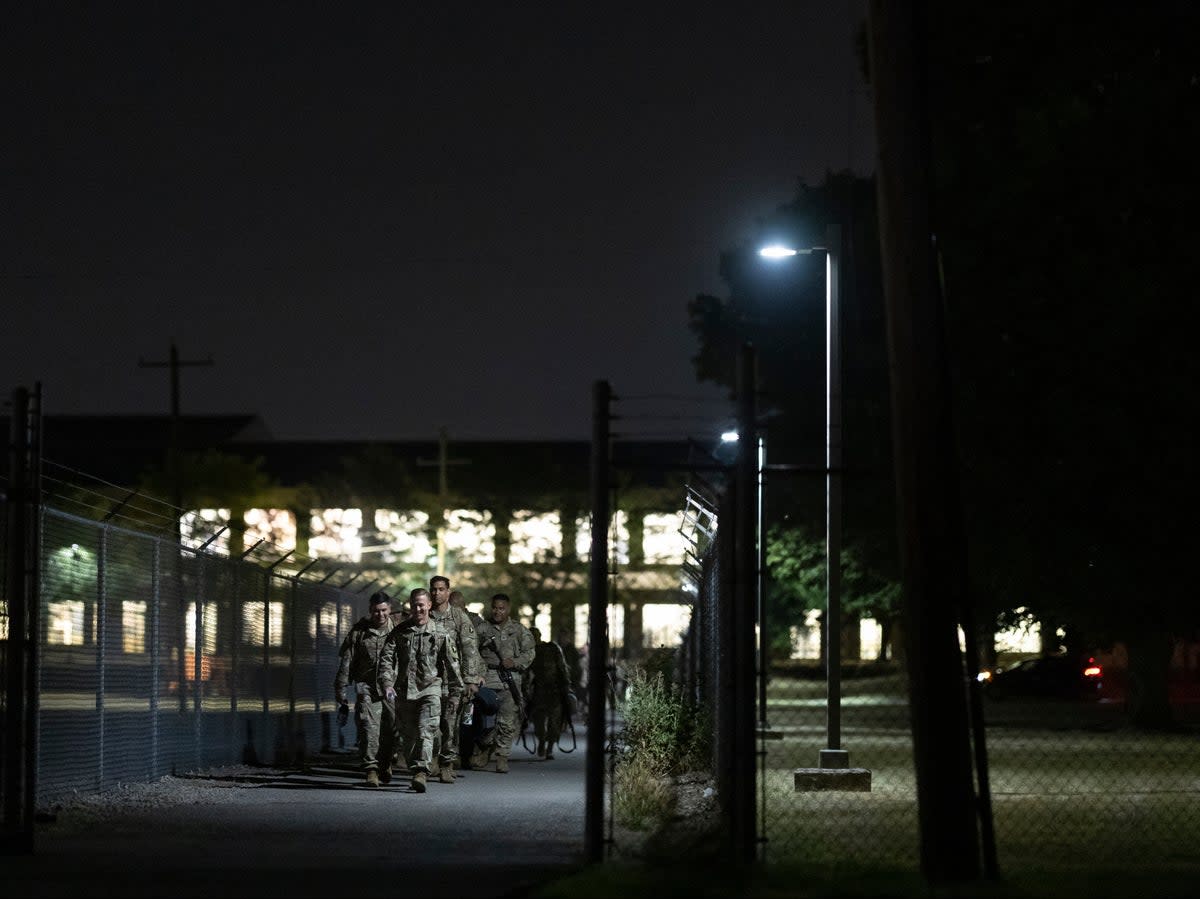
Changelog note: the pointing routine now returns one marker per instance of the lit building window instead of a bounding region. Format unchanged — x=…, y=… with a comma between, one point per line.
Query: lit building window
x=534, y=537
x=198, y=526
x=581, y=626
x=208, y=623
x=542, y=622
x=65, y=623
x=870, y=638
x=324, y=619
x=806, y=638
x=662, y=539
x=133, y=626
x=345, y=619
x=275, y=526
x=616, y=626
x=663, y=624
x=404, y=537
x=1024, y=637
x=252, y=623
x=335, y=534
x=470, y=535
x=618, y=537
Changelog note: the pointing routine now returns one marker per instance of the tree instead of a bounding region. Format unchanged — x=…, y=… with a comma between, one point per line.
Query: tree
x=1065, y=138
x=780, y=309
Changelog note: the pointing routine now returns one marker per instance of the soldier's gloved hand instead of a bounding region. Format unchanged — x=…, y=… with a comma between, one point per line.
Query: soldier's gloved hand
x=390, y=693
x=507, y=663
x=472, y=689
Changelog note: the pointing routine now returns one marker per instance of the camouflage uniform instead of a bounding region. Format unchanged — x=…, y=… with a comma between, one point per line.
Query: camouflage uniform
x=417, y=660
x=460, y=633
x=551, y=682
x=511, y=640
x=361, y=655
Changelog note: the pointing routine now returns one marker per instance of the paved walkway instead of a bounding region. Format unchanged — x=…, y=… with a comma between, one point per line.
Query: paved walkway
x=317, y=832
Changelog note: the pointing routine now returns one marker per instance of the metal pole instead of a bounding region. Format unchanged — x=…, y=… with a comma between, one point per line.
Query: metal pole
x=597, y=625
x=101, y=648
x=743, y=755
x=833, y=756
x=764, y=655
x=18, y=812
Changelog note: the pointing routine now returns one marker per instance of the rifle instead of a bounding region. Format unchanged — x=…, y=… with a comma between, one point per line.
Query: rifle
x=506, y=675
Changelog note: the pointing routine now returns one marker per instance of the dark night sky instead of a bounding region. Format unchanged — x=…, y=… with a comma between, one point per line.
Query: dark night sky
x=381, y=222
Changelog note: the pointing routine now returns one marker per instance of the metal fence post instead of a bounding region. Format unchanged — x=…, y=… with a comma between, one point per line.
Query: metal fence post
x=101, y=648
x=155, y=611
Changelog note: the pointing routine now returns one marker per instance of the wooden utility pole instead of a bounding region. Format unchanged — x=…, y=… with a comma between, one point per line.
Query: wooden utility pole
x=931, y=528
x=443, y=461
x=175, y=476
x=174, y=473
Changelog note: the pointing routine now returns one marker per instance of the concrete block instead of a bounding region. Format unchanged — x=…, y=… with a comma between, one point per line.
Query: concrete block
x=852, y=780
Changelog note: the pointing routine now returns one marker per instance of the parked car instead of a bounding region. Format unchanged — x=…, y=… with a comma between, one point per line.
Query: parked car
x=1050, y=677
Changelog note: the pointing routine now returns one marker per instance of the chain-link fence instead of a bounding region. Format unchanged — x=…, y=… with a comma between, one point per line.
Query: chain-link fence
x=1074, y=784
x=155, y=657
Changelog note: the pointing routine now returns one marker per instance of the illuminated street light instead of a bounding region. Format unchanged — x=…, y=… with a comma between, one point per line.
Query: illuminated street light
x=833, y=756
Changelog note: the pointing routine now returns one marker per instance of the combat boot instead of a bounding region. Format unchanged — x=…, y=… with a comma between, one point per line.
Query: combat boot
x=418, y=782
x=501, y=764
x=549, y=753
x=435, y=768
x=385, y=775
x=446, y=775
x=372, y=778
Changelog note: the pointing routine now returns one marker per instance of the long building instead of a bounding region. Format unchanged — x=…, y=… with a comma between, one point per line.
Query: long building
x=494, y=516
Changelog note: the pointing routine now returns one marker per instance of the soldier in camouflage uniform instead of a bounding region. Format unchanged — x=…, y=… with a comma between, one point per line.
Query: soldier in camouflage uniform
x=361, y=655
x=460, y=602
x=551, y=684
x=507, y=650
x=416, y=660
x=459, y=630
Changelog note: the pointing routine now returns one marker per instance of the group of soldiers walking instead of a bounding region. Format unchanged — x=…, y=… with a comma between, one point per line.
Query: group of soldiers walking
x=425, y=676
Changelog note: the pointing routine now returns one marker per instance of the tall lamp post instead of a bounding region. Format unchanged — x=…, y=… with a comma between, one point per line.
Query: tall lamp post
x=833, y=756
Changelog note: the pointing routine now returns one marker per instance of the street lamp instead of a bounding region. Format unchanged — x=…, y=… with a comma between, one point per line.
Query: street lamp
x=833, y=756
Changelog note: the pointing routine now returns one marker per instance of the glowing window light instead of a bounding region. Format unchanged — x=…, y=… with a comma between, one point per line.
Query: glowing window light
x=1024, y=637
x=806, y=638
x=662, y=539
x=534, y=537
x=335, y=534
x=581, y=625
x=252, y=623
x=65, y=623
x=870, y=638
x=542, y=622
x=663, y=624
x=616, y=626
x=618, y=537
x=133, y=626
x=404, y=536
x=198, y=525
x=276, y=526
x=208, y=623
x=323, y=620
x=471, y=535
x=3, y=620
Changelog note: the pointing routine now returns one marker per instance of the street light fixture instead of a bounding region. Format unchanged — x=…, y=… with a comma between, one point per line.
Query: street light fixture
x=833, y=756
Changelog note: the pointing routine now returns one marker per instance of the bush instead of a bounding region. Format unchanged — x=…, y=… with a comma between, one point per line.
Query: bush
x=663, y=735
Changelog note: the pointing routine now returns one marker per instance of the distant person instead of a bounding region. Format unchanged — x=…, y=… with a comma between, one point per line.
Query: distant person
x=457, y=626
x=416, y=661
x=549, y=704
x=460, y=602
x=575, y=660
x=361, y=665
x=507, y=649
